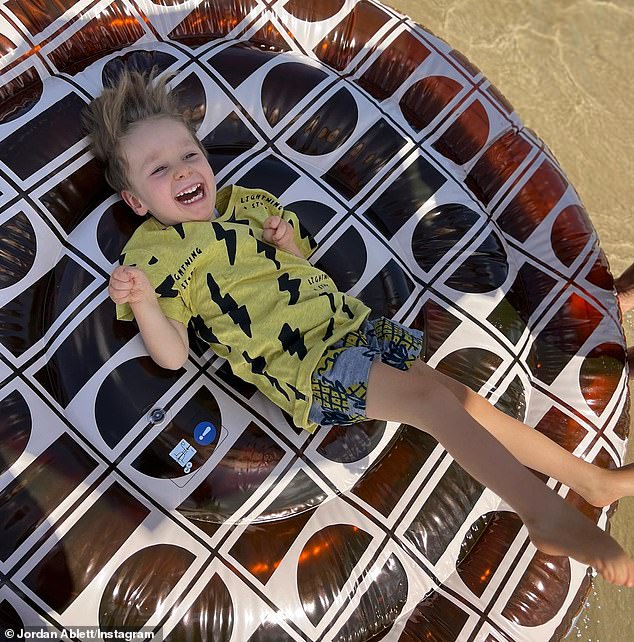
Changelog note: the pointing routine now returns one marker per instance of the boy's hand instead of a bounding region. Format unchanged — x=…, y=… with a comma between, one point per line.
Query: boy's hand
x=279, y=232
x=130, y=285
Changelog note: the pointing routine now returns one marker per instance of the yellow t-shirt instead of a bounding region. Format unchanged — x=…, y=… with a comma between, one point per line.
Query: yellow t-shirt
x=270, y=313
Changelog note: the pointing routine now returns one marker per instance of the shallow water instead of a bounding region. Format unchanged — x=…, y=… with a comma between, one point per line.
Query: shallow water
x=566, y=67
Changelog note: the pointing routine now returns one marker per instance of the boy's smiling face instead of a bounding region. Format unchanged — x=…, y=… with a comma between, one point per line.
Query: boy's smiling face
x=168, y=173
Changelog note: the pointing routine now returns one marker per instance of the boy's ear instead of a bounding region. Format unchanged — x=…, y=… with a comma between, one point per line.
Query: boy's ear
x=134, y=203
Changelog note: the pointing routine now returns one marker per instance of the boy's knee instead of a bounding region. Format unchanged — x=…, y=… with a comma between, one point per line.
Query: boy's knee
x=422, y=389
x=437, y=378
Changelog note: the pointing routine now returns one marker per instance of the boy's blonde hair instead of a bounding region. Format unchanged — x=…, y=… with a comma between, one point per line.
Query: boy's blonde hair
x=110, y=117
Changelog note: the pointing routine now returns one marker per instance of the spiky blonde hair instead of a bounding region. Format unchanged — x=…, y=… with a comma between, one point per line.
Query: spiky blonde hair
x=111, y=116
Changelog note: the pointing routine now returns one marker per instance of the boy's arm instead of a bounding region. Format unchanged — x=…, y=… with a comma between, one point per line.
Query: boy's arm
x=165, y=339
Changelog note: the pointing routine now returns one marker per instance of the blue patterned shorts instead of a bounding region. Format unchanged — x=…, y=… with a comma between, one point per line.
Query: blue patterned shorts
x=340, y=381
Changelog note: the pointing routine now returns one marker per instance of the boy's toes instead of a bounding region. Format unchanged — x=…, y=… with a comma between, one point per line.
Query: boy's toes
x=623, y=575
x=618, y=572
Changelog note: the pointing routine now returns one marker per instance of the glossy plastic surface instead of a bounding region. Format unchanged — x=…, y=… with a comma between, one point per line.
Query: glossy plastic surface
x=216, y=519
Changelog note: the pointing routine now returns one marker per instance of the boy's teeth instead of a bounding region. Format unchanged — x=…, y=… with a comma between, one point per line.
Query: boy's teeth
x=188, y=191
x=197, y=191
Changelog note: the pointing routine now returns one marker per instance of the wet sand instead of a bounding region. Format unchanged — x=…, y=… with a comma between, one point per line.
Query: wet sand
x=566, y=65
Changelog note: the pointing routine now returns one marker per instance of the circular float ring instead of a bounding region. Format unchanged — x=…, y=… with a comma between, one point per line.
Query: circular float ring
x=185, y=501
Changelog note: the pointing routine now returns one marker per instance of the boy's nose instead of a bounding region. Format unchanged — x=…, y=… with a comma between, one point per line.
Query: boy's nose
x=182, y=171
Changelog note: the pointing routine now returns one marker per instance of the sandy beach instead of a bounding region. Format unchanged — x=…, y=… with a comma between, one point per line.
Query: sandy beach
x=565, y=65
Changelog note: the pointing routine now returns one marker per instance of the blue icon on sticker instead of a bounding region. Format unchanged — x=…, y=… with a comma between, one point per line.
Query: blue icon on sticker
x=204, y=433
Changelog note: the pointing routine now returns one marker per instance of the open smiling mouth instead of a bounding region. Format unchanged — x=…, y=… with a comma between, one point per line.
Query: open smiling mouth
x=191, y=194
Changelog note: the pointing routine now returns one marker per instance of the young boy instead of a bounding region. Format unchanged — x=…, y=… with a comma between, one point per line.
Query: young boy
x=234, y=264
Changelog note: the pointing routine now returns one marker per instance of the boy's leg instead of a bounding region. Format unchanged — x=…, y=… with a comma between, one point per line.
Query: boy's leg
x=596, y=485
x=417, y=398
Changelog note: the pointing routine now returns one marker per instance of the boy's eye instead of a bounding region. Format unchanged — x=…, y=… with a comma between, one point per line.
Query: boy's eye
x=191, y=155
x=158, y=169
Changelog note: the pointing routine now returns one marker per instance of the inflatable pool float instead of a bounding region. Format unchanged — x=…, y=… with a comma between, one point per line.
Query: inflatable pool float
x=183, y=502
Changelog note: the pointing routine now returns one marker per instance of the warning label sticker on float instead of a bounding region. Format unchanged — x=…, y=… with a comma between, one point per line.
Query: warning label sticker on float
x=183, y=453
x=204, y=433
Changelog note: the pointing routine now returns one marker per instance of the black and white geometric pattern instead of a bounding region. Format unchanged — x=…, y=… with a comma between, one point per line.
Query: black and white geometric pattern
x=213, y=517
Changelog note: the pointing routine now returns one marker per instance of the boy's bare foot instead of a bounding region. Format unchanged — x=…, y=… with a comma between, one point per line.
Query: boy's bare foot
x=563, y=530
x=608, y=486
x=625, y=289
